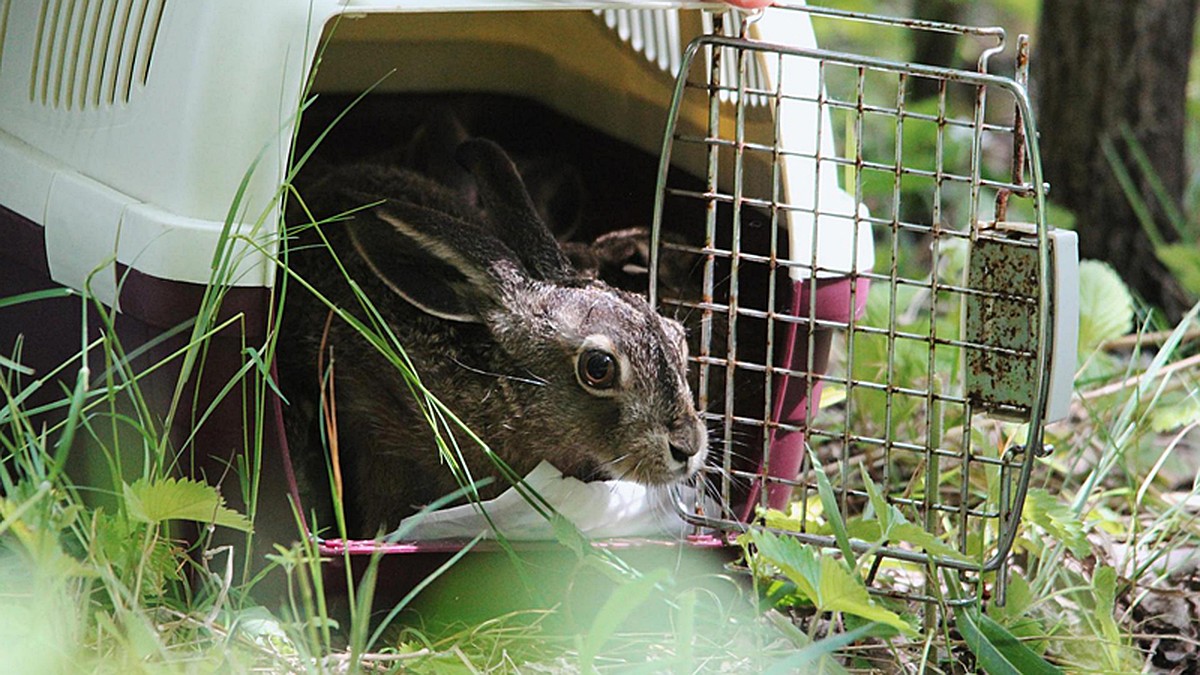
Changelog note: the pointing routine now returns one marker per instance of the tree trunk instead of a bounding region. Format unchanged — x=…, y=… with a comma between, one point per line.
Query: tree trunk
x=933, y=48
x=1099, y=65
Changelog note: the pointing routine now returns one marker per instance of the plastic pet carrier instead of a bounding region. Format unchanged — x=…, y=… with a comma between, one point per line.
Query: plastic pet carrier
x=860, y=308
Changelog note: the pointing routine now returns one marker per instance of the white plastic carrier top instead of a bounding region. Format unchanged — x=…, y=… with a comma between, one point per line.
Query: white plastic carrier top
x=129, y=127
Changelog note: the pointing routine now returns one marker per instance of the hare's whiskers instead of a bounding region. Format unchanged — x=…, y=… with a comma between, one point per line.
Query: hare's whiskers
x=532, y=379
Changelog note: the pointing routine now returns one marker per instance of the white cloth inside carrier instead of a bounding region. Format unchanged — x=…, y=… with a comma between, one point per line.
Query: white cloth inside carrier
x=600, y=509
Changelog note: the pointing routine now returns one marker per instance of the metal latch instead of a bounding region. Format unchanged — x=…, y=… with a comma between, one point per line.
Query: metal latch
x=1004, y=368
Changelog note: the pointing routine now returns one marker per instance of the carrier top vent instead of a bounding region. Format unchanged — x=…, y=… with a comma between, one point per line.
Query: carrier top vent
x=90, y=53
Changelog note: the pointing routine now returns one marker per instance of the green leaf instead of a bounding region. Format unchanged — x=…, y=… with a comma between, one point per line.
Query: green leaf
x=1105, y=306
x=866, y=529
x=1183, y=261
x=1104, y=586
x=830, y=504
x=34, y=296
x=265, y=371
x=894, y=527
x=832, y=395
x=825, y=580
x=918, y=536
x=624, y=600
x=1057, y=519
x=1166, y=417
x=793, y=559
x=816, y=657
x=182, y=499
x=568, y=534
x=879, y=504
x=839, y=590
x=778, y=520
x=1018, y=599
x=998, y=651
x=259, y=626
x=803, y=515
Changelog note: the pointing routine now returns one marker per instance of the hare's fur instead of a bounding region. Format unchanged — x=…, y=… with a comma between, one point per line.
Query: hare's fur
x=495, y=323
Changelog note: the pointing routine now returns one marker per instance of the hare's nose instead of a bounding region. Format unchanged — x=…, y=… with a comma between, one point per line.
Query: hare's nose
x=681, y=453
x=687, y=441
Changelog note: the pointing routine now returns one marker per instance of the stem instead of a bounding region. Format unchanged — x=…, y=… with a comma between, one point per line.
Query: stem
x=1137, y=379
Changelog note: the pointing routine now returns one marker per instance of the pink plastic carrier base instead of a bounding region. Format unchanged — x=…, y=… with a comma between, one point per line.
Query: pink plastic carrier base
x=339, y=547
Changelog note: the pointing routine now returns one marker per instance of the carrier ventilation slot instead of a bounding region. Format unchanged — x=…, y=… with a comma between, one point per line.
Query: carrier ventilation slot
x=92, y=53
x=4, y=6
x=755, y=80
x=655, y=34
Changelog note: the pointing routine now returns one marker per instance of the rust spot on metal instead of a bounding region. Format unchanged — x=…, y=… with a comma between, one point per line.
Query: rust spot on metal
x=1001, y=323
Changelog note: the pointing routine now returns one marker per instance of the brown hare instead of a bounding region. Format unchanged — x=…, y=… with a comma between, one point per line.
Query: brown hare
x=539, y=361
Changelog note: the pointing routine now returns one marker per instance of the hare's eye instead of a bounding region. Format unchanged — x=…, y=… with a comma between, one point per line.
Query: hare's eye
x=597, y=369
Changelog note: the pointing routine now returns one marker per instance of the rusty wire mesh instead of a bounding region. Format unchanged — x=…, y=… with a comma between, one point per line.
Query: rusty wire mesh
x=904, y=393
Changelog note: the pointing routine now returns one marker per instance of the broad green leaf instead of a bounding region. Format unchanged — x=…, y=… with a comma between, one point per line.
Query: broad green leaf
x=257, y=625
x=1018, y=599
x=120, y=544
x=1112, y=644
x=1166, y=417
x=778, y=520
x=801, y=516
x=1105, y=306
x=182, y=499
x=839, y=590
x=866, y=529
x=998, y=651
x=793, y=559
x=1183, y=260
x=1057, y=519
x=894, y=527
x=825, y=580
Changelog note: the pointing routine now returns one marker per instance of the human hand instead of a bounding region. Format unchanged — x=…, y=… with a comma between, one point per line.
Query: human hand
x=749, y=4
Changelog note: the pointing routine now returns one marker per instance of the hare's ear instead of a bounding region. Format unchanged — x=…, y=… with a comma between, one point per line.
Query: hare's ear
x=511, y=211
x=558, y=195
x=430, y=152
x=443, y=266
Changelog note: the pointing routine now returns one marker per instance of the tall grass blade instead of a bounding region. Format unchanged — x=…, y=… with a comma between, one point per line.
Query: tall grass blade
x=34, y=296
x=831, y=508
x=62, y=449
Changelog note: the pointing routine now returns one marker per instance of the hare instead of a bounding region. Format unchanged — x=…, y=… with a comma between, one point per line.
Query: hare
x=538, y=361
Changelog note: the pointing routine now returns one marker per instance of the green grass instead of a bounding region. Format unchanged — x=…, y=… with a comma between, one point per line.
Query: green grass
x=96, y=575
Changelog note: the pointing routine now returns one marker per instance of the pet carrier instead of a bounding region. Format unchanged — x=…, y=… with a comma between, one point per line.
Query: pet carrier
x=130, y=127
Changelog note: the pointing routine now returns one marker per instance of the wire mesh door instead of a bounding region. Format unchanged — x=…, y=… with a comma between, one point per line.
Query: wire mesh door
x=894, y=373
